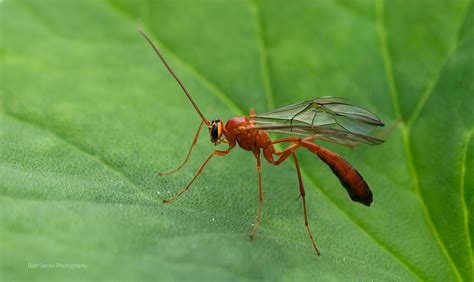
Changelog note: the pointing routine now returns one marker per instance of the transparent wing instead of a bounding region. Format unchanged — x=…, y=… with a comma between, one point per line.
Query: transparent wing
x=328, y=118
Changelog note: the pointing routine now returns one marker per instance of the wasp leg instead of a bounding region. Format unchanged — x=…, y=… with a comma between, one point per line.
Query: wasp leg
x=187, y=156
x=260, y=194
x=216, y=152
x=284, y=154
x=302, y=194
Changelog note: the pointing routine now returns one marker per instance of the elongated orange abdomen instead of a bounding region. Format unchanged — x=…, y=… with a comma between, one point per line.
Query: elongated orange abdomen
x=354, y=183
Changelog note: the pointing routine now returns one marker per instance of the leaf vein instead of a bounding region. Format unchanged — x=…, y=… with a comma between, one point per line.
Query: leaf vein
x=393, y=92
x=467, y=139
x=264, y=59
x=432, y=82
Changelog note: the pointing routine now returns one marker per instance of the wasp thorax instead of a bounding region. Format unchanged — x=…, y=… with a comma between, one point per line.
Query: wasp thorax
x=215, y=131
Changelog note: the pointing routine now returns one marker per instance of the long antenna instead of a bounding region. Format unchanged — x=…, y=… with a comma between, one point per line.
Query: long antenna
x=174, y=75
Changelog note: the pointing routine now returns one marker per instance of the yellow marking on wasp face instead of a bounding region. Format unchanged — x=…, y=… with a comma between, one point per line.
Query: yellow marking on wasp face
x=219, y=129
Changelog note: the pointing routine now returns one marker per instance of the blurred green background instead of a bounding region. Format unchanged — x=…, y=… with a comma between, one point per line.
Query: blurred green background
x=88, y=116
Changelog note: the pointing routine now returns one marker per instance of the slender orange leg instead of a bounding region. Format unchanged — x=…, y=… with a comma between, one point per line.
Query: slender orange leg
x=284, y=154
x=187, y=156
x=260, y=194
x=302, y=194
x=216, y=152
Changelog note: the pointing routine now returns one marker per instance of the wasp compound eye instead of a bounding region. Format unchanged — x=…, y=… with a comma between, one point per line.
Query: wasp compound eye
x=215, y=131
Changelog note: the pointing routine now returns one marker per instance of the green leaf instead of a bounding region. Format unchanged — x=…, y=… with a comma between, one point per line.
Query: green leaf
x=89, y=116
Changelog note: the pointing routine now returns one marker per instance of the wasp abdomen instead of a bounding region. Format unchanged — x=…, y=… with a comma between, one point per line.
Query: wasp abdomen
x=350, y=178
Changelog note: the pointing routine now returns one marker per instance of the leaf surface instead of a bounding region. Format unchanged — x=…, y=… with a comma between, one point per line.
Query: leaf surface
x=89, y=116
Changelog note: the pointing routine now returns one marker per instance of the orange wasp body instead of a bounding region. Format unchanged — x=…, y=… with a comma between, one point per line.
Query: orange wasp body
x=326, y=118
